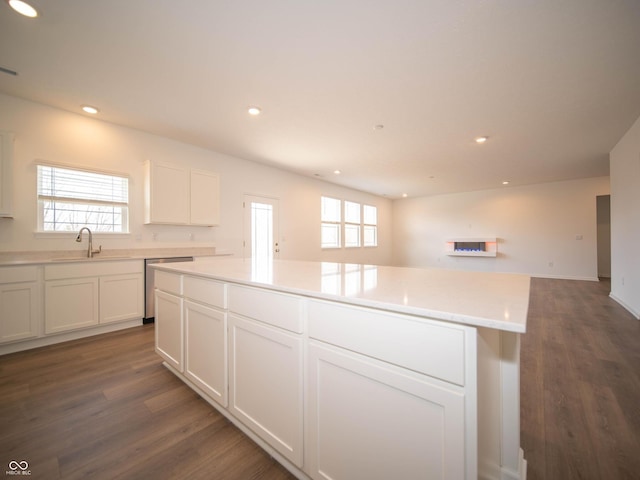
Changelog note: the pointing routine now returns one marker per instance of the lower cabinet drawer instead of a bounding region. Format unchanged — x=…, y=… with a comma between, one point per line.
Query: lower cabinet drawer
x=18, y=274
x=168, y=282
x=205, y=291
x=425, y=346
x=277, y=309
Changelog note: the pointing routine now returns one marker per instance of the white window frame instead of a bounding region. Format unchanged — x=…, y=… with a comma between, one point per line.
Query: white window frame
x=352, y=224
x=119, y=201
x=369, y=225
x=332, y=222
x=361, y=223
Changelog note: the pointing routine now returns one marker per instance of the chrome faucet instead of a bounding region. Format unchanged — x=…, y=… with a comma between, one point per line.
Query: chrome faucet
x=90, y=250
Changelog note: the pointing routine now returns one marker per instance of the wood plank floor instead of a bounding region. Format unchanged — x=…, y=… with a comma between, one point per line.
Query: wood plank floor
x=580, y=384
x=105, y=407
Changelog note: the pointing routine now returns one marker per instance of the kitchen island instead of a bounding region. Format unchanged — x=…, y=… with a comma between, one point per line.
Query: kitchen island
x=349, y=371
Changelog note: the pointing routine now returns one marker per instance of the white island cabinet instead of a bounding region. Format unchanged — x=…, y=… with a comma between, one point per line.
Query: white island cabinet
x=413, y=374
x=205, y=323
x=408, y=375
x=169, y=323
x=266, y=367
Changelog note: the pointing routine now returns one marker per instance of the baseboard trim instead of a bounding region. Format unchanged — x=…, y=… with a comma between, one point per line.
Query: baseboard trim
x=563, y=277
x=625, y=306
x=21, y=345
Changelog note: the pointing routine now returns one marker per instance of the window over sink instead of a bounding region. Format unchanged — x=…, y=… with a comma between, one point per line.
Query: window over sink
x=71, y=198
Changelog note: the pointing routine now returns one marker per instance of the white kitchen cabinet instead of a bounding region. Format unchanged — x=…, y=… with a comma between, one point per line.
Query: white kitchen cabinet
x=177, y=195
x=422, y=395
x=166, y=194
x=204, y=198
x=265, y=383
x=44, y=304
x=121, y=297
x=84, y=294
x=369, y=419
x=169, y=329
x=206, y=350
x=19, y=303
x=6, y=174
x=70, y=304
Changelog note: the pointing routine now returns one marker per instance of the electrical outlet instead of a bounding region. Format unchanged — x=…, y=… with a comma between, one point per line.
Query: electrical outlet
x=578, y=237
x=550, y=264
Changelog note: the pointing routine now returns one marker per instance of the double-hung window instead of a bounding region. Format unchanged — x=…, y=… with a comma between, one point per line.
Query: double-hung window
x=370, y=226
x=331, y=217
x=69, y=199
x=351, y=224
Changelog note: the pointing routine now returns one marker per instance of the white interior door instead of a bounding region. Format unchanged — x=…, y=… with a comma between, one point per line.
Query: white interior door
x=261, y=239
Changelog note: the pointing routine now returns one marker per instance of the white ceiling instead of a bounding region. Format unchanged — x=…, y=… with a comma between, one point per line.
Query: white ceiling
x=553, y=83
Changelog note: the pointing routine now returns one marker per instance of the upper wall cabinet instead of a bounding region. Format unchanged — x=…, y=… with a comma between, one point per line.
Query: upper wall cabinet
x=177, y=195
x=205, y=198
x=6, y=174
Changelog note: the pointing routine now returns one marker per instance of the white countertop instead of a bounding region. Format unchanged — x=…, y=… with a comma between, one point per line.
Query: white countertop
x=80, y=255
x=493, y=300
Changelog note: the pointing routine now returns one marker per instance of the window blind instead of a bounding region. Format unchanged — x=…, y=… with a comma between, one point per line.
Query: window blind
x=69, y=199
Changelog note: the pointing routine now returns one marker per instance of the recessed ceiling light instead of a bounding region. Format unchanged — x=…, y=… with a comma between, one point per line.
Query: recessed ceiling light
x=337, y=172
x=481, y=139
x=405, y=195
x=23, y=8
x=506, y=182
x=90, y=109
x=254, y=110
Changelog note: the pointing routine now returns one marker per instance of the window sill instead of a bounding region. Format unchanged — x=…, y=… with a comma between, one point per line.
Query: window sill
x=73, y=235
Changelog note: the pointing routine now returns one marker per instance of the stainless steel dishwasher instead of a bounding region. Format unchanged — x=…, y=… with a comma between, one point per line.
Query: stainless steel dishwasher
x=149, y=284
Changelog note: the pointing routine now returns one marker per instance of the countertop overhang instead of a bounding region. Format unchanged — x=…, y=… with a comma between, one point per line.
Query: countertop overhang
x=493, y=300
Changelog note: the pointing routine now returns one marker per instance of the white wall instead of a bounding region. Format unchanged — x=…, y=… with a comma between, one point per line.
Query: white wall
x=53, y=135
x=625, y=220
x=536, y=226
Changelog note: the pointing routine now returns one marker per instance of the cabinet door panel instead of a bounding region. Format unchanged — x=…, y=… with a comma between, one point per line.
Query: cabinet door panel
x=70, y=304
x=18, y=311
x=206, y=349
x=205, y=198
x=169, y=329
x=266, y=384
x=121, y=297
x=168, y=194
x=367, y=420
